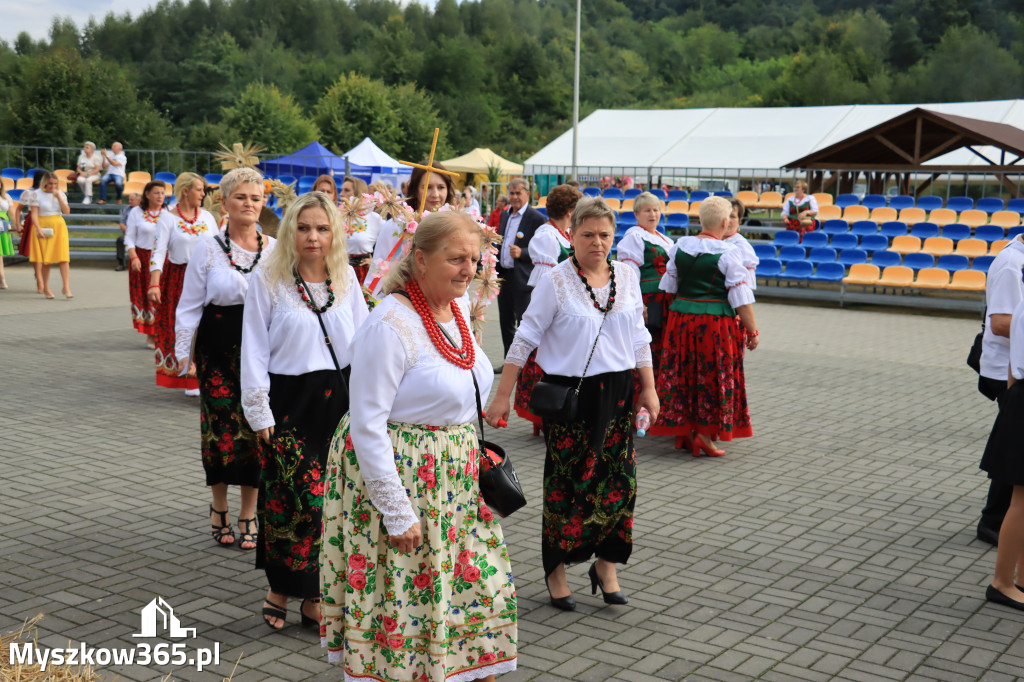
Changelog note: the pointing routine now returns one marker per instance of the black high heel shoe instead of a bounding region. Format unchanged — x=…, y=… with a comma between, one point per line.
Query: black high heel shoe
x=308, y=622
x=563, y=603
x=609, y=597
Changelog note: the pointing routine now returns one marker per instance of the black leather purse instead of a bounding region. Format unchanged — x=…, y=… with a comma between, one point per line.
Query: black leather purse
x=555, y=402
x=974, y=355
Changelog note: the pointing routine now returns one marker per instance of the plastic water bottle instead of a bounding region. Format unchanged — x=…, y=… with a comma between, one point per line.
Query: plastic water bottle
x=643, y=422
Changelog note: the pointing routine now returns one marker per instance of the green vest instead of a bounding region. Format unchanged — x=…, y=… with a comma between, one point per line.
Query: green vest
x=701, y=286
x=653, y=267
x=563, y=252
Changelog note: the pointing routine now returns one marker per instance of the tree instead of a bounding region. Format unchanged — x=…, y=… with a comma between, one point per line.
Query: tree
x=353, y=108
x=265, y=116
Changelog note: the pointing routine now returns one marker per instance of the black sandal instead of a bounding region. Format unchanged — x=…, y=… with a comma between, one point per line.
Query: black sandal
x=222, y=531
x=274, y=611
x=247, y=535
x=308, y=622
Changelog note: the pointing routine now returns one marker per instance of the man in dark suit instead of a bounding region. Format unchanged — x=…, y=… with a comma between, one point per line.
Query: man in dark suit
x=516, y=227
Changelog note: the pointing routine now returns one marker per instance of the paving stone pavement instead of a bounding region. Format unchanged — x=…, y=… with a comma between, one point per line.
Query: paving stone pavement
x=838, y=543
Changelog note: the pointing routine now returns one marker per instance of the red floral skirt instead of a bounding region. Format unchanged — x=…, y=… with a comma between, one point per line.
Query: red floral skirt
x=143, y=318
x=360, y=262
x=528, y=378
x=700, y=380
x=792, y=224
x=171, y=280
x=663, y=299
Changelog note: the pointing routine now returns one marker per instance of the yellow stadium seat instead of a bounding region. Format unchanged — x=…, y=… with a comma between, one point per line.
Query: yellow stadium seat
x=968, y=280
x=897, y=276
x=938, y=246
x=856, y=212
x=613, y=204
x=942, y=217
x=677, y=206
x=769, y=200
x=168, y=189
x=747, y=198
x=971, y=248
x=932, y=278
x=8, y=184
x=997, y=246
x=694, y=210
x=883, y=214
x=823, y=199
x=912, y=216
x=1006, y=218
x=139, y=176
x=63, y=173
x=829, y=213
x=627, y=205
x=541, y=203
x=862, y=273
x=908, y=244
x=23, y=183
x=973, y=218
x=134, y=187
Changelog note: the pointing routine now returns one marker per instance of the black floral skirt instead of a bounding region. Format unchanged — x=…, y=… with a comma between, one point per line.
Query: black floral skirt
x=590, y=475
x=307, y=409
x=230, y=448
x=1004, y=453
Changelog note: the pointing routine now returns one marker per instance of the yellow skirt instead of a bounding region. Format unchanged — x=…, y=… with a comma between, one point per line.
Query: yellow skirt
x=53, y=249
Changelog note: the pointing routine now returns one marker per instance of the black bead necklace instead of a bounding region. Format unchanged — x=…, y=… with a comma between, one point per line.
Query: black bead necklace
x=307, y=296
x=590, y=290
x=226, y=245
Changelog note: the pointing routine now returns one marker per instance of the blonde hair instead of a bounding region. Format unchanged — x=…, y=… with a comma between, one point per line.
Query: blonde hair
x=714, y=211
x=431, y=236
x=643, y=200
x=358, y=185
x=240, y=176
x=185, y=181
x=284, y=259
x=590, y=207
x=801, y=183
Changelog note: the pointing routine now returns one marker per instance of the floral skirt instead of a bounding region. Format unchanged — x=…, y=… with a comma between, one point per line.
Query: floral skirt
x=528, y=378
x=700, y=379
x=447, y=611
x=307, y=409
x=590, y=475
x=360, y=262
x=655, y=299
x=793, y=224
x=172, y=278
x=230, y=447
x=138, y=283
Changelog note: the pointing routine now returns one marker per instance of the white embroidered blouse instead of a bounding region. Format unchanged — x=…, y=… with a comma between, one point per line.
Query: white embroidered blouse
x=631, y=248
x=281, y=335
x=141, y=228
x=562, y=323
x=403, y=378
x=750, y=259
x=363, y=238
x=210, y=280
x=545, y=248
x=730, y=264
x=176, y=237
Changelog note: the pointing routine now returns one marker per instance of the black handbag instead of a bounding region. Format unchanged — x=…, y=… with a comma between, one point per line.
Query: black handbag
x=655, y=316
x=974, y=355
x=555, y=402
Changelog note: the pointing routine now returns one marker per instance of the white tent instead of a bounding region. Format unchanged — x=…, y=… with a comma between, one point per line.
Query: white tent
x=731, y=140
x=370, y=162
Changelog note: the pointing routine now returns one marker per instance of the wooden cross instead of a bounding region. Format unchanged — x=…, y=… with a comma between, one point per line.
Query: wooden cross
x=430, y=169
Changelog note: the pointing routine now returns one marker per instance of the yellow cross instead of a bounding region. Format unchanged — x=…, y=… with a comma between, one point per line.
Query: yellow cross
x=430, y=169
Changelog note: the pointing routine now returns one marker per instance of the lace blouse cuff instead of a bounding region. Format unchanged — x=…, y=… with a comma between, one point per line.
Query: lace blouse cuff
x=643, y=355
x=183, y=343
x=391, y=500
x=519, y=351
x=256, y=406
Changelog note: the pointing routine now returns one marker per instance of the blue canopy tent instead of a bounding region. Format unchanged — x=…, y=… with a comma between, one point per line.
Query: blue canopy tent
x=372, y=164
x=313, y=159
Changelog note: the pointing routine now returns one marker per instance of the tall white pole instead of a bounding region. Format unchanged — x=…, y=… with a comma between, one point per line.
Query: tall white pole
x=576, y=96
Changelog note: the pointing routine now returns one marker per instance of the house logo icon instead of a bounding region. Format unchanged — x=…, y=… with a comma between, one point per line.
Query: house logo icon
x=159, y=612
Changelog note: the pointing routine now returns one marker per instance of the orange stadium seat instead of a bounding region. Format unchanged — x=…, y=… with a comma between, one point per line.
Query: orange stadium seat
x=747, y=198
x=829, y=213
x=883, y=214
x=769, y=200
x=862, y=273
x=139, y=176
x=823, y=199
x=932, y=278
x=627, y=205
x=857, y=212
x=938, y=246
x=972, y=248
x=542, y=202
x=942, y=217
x=677, y=206
x=23, y=183
x=1006, y=218
x=613, y=204
x=968, y=280
x=908, y=244
x=7, y=183
x=63, y=173
x=912, y=216
x=897, y=276
x=997, y=246
x=694, y=211
x=973, y=218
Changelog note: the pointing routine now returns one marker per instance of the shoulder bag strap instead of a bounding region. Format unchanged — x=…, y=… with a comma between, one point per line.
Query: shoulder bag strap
x=592, y=349
x=323, y=328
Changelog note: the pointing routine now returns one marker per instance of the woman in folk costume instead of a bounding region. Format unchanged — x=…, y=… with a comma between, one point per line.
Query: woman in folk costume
x=179, y=231
x=733, y=236
x=293, y=395
x=549, y=247
x=210, y=314
x=800, y=210
x=141, y=227
x=700, y=379
x=585, y=319
x=362, y=225
x=417, y=583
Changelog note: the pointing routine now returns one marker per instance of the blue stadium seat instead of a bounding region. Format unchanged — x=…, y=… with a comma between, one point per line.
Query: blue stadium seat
x=901, y=201
x=813, y=240
x=627, y=219
x=844, y=200
x=982, y=263
x=677, y=195
x=1014, y=231
x=592, y=191
x=844, y=241
x=990, y=205
x=873, y=201
x=213, y=178
x=874, y=242
x=853, y=256
x=916, y=261
x=31, y=172
x=925, y=230
x=893, y=229
x=863, y=228
x=15, y=194
x=929, y=203
x=12, y=173
x=166, y=176
x=835, y=226
x=956, y=231
x=632, y=193
x=660, y=193
x=769, y=268
x=677, y=221
x=798, y=269
x=788, y=254
x=699, y=195
x=786, y=238
x=884, y=259
x=723, y=193
x=953, y=262
x=989, y=233
x=612, y=193
x=540, y=209
x=822, y=255
x=829, y=272
x=960, y=204
x=288, y=179
x=765, y=251
x=1015, y=205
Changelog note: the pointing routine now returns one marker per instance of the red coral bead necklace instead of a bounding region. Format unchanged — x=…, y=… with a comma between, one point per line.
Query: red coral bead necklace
x=464, y=358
